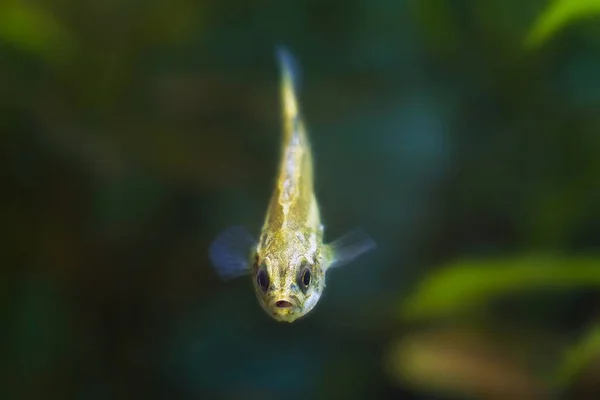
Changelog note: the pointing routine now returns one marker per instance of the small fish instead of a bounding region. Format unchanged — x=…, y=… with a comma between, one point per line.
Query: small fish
x=289, y=261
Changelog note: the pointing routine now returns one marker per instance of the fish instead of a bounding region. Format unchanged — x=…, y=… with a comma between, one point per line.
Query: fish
x=289, y=261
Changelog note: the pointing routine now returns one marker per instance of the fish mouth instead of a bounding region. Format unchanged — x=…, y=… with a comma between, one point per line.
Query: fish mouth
x=283, y=304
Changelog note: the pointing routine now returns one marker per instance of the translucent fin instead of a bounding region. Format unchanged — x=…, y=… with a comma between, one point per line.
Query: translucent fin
x=349, y=247
x=230, y=252
x=289, y=66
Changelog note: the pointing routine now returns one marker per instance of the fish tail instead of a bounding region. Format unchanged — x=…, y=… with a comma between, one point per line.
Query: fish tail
x=290, y=82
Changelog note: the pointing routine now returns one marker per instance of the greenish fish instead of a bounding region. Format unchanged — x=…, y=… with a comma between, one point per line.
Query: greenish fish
x=289, y=261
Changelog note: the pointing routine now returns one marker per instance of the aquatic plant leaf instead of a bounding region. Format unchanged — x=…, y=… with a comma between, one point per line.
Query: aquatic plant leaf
x=32, y=28
x=463, y=285
x=557, y=15
x=464, y=362
x=579, y=356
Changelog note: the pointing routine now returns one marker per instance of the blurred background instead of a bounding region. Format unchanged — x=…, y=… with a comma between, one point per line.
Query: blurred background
x=464, y=136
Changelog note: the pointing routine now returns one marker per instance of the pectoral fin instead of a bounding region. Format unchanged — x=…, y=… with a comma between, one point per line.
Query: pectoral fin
x=230, y=252
x=349, y=247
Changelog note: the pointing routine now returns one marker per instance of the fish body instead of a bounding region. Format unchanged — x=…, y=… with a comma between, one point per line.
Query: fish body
x=290, y=259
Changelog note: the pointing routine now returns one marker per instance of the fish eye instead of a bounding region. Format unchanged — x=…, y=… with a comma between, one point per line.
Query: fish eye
x=305, y=278
x=262, y=279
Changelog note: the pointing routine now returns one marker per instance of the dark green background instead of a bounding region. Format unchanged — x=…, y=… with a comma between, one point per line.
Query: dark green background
x=132, y=132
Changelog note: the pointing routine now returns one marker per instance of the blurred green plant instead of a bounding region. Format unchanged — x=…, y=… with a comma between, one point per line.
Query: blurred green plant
x=461, y=286
x=465, y=362
x=556, y=16
x=579, y=356
x=32, y=28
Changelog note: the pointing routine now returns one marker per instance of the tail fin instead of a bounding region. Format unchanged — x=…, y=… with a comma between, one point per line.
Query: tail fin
x=289, y=65
x=290, y=81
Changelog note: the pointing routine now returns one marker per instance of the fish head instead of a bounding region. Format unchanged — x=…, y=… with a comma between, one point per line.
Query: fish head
x=288, y=283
